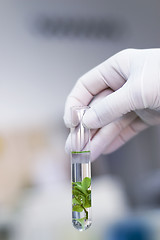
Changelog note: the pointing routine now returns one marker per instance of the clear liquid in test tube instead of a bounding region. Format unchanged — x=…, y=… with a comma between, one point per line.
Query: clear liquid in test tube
x=80, y=171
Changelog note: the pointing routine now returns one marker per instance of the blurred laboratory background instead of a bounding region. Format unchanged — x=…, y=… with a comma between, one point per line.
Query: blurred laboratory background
x=45, y=46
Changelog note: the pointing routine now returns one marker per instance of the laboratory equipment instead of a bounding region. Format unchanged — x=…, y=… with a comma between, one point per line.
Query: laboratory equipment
x=80, y=170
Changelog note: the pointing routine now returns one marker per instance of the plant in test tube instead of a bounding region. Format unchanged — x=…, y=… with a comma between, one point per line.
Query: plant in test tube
x=81, y=198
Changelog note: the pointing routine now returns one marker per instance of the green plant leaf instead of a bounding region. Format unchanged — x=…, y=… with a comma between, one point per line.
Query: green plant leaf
x=86, y=183
x=81, y=221
x=76, y=201
x=80, y=188
x=77, y=192
x=87, y=203
x=76, y=183
x=83, y=198
x=77, y=208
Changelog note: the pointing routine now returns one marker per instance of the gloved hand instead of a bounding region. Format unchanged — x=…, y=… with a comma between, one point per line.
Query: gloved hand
x=124, y=94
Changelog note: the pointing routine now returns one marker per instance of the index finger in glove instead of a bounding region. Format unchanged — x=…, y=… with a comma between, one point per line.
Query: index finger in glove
x=107, y=74
x=83, y=92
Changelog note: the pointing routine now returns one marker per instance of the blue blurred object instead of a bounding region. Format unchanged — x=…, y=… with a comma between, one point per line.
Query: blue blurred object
x=129, y=230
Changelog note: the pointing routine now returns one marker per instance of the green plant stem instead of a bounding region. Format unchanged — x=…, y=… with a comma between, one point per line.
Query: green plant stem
x=86, y=212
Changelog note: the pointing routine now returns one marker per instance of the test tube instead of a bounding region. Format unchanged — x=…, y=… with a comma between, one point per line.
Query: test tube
x=80, y=170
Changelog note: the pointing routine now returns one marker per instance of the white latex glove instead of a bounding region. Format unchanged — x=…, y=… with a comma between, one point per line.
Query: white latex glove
x=124, y=94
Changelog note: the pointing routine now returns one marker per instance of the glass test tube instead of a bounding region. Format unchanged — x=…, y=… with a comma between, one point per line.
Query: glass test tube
x=80, y=170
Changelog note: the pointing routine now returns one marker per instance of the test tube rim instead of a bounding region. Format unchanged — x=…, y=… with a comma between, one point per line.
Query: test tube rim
x=80, y=107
